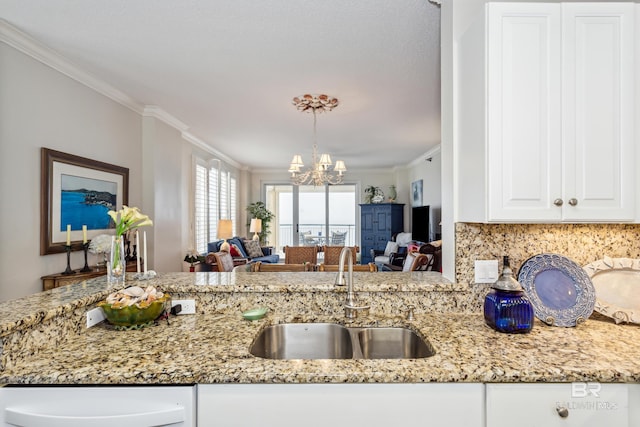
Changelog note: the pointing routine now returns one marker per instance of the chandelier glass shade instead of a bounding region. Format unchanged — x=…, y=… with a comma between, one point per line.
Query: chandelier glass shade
x=320, y=173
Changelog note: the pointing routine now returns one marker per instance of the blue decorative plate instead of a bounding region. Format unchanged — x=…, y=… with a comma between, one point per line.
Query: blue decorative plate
x=560, y=291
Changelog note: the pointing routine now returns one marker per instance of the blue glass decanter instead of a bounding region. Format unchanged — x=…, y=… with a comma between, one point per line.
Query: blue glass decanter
x=506, y=308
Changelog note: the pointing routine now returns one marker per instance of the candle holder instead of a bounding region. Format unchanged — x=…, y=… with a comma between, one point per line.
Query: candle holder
x=127, y=251
x=68, y=270
x=85, y=248
x=150, y=274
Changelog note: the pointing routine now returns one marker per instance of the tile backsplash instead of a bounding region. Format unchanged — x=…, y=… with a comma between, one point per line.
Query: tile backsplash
x=583, y=243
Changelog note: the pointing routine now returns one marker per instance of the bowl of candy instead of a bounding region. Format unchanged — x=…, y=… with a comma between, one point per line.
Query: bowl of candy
x=134, y=306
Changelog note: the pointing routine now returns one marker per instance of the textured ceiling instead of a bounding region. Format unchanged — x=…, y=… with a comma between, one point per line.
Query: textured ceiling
x=228, y=69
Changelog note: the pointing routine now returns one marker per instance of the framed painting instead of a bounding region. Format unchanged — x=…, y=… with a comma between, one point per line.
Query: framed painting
x=76, y=192
x=416, y=193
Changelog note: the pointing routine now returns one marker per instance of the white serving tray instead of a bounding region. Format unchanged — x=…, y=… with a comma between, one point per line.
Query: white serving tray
x=617, y=284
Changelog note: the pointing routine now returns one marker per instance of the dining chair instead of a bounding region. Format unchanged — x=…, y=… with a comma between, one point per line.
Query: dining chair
x=267, y=267
x=338, y=238
x=300, y=254
x=371, y=267
x=332, y=253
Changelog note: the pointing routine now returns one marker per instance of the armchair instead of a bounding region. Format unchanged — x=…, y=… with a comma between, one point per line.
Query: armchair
x=427, y=257
x=392, y=254
x=414, y=261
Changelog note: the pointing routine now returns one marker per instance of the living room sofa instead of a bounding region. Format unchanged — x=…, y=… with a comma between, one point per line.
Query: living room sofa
x=245, y=248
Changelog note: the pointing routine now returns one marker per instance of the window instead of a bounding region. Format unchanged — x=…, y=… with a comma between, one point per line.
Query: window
x=312, y=215
x=214, y=198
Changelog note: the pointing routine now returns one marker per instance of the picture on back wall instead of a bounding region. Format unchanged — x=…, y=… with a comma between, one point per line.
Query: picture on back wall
x=416, y=193
x=77, y=191
x=86, y=201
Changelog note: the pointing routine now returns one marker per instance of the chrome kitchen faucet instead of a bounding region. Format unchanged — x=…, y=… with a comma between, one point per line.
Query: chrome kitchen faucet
x=351, y=307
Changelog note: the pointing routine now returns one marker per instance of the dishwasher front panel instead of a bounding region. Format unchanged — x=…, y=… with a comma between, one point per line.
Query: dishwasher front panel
x=98, y=406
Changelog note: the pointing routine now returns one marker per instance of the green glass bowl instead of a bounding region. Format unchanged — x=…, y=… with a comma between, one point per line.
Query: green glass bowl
x=255, y=314
x=132, y=315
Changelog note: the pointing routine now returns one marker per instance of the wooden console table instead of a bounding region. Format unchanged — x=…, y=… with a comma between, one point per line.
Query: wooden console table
x=56, y=280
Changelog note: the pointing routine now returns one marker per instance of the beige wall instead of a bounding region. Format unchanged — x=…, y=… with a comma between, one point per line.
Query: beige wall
x=40, y=107
x=430, y=172
x=162, y=197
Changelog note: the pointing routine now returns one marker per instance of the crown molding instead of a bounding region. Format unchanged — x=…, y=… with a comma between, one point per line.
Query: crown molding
x=426, y=156
x=26, y=44
x=189, y=137
x=160, y=114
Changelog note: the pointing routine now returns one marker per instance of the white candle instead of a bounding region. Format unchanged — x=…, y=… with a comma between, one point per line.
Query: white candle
x=138, y=251
x=68, y=234
x=84, y=234
x=144, y=259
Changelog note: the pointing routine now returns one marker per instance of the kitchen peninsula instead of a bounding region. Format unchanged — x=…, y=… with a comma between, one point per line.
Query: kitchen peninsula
x=45, y=339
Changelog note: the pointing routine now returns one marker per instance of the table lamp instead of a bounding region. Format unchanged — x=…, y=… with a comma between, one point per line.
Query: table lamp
x=225, y=231
x=255, y=227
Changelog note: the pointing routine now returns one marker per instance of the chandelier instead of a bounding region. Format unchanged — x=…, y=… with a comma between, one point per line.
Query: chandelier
x=319, y=173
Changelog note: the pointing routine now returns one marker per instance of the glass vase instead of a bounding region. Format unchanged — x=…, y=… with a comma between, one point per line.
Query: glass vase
x=117, y=265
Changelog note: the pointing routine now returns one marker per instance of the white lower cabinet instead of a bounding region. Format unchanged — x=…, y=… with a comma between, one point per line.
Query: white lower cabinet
x=430, y=404
x=565, y=405
x=371, y=405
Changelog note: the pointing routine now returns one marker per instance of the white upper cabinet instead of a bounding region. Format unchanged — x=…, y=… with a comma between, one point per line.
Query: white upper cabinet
x=546, y=114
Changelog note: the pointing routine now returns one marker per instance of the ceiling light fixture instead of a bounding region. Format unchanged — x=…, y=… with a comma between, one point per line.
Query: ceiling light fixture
x=319, y=173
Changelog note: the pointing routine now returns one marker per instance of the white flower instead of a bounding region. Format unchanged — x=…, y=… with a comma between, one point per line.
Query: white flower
x=128, y=218
x=100, y=244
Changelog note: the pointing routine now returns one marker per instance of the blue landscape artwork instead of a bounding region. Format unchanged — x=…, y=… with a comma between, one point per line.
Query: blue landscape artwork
x=86, y=201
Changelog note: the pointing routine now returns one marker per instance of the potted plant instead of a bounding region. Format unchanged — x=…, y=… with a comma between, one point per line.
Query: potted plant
x=192, y=258
x=259, y=210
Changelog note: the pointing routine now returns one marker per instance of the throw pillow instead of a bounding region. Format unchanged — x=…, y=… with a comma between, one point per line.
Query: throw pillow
x=214, y=246
x=403, y=239
x=238, y=242
x=253, y=248
x=390, y=248
x=234, y=251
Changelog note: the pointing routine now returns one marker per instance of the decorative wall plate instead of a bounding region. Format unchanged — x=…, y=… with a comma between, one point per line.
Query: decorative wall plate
x=560, y=291
x=617, y=284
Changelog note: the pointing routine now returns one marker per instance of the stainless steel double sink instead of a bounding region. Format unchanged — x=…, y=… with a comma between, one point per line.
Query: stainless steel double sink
x=335, y=341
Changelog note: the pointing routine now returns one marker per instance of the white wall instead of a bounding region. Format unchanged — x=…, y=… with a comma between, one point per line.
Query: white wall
x=430, y=172
x=162, y=199
x=40, y=107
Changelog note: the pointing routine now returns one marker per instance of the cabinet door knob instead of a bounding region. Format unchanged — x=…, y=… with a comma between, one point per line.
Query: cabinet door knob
x=573, y=201
x=562, y=411
x=558, y=202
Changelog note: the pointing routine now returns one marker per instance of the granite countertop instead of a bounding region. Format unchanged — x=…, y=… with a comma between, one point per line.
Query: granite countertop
x=213, y=345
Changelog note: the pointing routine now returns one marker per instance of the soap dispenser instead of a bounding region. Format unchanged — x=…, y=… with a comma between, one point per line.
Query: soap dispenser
x=506, y=308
